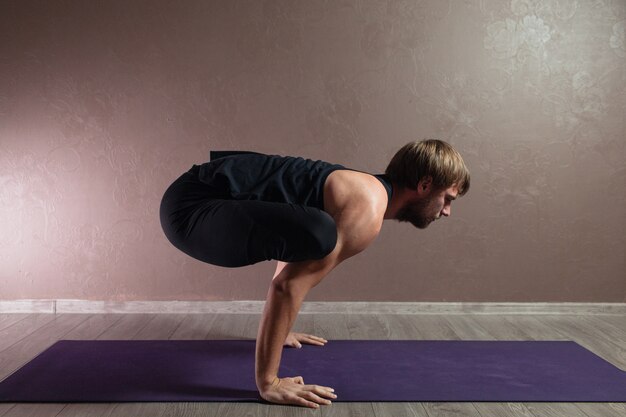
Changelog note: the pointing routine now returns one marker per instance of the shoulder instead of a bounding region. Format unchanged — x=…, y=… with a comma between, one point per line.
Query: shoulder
x=354, y=190
x=357, y=202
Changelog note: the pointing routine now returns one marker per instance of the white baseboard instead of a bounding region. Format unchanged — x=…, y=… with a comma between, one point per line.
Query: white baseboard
x=310, y=307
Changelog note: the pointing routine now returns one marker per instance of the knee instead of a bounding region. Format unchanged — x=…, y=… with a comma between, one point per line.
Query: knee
x=323, y=236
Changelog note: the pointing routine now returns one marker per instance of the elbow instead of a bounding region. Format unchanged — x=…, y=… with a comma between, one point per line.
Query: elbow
x=298, y=278
x=289, y=287
x=297, y=282
x=280, y=285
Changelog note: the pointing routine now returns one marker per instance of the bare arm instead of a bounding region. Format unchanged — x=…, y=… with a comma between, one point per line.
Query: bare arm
x=355, y=230
x=284, y=299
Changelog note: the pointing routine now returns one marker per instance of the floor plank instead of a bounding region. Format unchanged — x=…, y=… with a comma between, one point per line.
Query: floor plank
x=431, y=327
x=604, y=409
x=87, y=409
x=232, y=326
x=499, y=328
x=590, y=338
x=7, y=320
x=37, y=338
x=468, y=327
x=533, y=329
x=194, y=327
x=394, y=409
x=617, y=322
x=127, y=327
x=93, y=327
x=21, y=329
x=503, y=410
x=450, y=409
x=34, y=410
x=161, y=327
x=555, y=410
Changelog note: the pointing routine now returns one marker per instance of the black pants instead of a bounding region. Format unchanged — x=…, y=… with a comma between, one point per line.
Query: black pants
x=205, y=225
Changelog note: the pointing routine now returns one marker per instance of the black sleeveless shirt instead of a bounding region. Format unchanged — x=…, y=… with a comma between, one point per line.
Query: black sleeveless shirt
x=245, y=175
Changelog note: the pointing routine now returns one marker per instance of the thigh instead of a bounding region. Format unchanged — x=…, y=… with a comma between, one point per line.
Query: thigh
x=288, y=232
x=234, y=233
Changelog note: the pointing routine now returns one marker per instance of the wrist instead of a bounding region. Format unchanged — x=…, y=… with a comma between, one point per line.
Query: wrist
x=268, y=382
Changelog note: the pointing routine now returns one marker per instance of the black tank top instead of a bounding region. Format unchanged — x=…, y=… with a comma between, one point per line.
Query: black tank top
x=245, y=175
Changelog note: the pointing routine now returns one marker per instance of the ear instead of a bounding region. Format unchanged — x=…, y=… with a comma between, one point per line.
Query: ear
x=424, y=185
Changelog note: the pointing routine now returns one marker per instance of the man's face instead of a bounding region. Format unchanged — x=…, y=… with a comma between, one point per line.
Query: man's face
x=428, y=206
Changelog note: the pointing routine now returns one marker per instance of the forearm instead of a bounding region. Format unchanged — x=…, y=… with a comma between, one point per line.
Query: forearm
x=279, y=314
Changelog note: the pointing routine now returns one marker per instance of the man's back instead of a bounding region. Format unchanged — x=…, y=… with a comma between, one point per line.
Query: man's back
x=246, y=175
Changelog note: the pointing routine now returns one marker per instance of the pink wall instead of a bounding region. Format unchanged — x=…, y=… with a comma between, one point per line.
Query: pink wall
x=103, y=104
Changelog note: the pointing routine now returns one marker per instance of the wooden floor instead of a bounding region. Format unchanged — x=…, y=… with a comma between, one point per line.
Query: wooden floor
x=23, y=336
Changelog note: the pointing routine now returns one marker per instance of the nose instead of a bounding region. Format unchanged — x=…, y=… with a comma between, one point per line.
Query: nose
x=446, y=211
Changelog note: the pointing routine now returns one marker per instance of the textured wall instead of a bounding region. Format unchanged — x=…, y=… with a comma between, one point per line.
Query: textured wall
x=103, y=104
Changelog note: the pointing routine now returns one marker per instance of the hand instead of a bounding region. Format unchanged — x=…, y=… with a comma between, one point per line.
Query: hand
x=295, y=339
x=293, y=391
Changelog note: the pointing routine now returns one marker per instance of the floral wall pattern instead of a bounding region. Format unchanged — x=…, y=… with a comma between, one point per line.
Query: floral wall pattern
x=104, y=104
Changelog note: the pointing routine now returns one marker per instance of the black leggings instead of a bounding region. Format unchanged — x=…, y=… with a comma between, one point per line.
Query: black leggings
x=207, y=226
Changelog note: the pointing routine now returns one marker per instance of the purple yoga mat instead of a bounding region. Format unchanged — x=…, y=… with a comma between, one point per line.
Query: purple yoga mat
x=358, y=370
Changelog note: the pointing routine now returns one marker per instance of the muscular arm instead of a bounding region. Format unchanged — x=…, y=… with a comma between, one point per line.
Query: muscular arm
x=357, y=226
x=284, y=299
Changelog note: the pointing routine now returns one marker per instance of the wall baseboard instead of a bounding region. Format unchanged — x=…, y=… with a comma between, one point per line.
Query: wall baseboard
x=311, y=307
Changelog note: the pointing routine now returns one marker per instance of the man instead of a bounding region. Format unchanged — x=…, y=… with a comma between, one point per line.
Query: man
x=244, y=207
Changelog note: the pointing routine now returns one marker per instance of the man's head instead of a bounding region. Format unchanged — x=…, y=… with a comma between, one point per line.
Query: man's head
x=434, y=173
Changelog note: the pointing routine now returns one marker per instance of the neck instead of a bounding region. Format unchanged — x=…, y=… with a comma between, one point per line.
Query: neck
x=398, y=200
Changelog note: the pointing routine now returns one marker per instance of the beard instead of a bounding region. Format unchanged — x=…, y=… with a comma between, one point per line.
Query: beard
x=416, y=214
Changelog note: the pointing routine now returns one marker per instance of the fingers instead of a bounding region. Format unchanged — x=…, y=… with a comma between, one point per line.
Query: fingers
x=306, y=403
x=326, y=392
x=294, y=339
x=316, y=399
x=299, y=399
x=315, y=395
x=311, y=339
x=315, y=340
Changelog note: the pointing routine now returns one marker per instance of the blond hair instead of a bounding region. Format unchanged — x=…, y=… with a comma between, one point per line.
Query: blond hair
x=432, y=157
